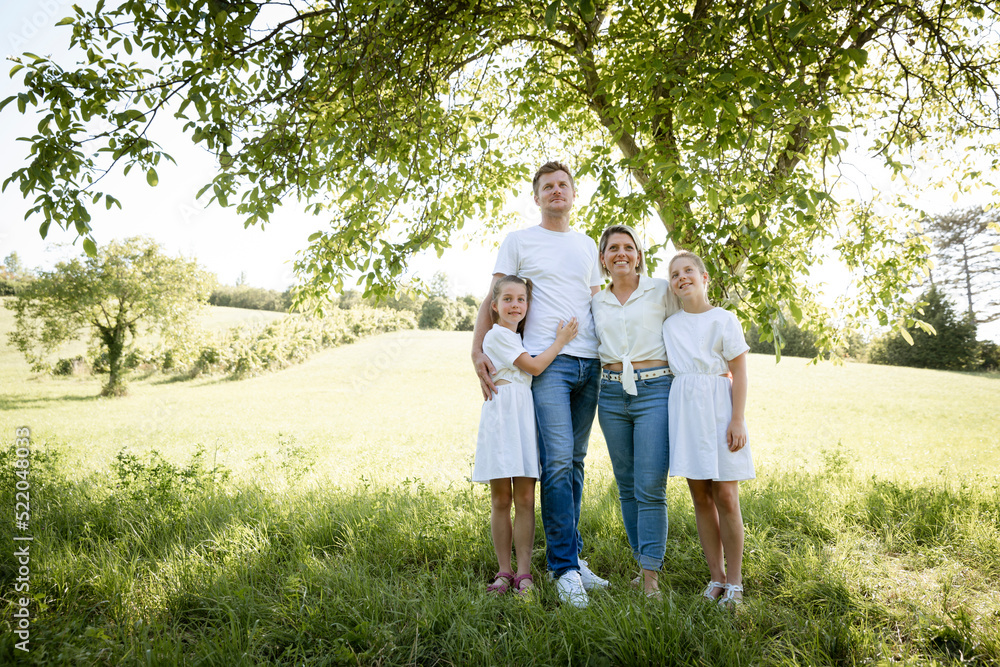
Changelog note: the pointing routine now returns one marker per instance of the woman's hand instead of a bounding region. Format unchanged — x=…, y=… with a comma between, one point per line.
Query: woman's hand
x=566, y=331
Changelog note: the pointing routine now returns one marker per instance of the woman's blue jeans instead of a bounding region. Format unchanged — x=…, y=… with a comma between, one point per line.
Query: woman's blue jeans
x=635, y=428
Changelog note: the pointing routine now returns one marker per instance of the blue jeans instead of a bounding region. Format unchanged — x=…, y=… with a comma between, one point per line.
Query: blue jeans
x=565, y=396
x=635, y=428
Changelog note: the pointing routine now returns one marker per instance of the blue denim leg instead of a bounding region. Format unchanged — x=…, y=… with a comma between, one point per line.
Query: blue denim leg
x=565, y=397
x=635, y=428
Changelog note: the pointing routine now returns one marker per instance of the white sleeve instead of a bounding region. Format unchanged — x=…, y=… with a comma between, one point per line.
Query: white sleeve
x=508, y=261
x=734, y=343
x=596, y=279
x=503, y=347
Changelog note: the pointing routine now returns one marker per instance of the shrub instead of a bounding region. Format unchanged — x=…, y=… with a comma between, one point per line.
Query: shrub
x=439, y=313
x=953, y=348
x=989, y=355
x=253, y=298
x=798, y=342
x=449, y=314
x=70, y=366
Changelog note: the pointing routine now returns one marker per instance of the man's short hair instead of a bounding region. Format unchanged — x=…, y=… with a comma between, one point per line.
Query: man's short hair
x=548, y=168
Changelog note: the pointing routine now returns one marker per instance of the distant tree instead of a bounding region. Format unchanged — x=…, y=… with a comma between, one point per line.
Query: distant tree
x=349, y=299
x=13, y=267
x=952, y=346
x=13, y=275
x=439, y=313
x=126, y=287
x=254, y=298
x=968, y=265
x=439, y=284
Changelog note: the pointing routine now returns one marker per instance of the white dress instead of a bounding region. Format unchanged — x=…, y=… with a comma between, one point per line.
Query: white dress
x=507, y=445
x=699, y=346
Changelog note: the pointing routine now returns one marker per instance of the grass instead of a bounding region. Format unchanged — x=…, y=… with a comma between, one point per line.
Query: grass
x=322, y=515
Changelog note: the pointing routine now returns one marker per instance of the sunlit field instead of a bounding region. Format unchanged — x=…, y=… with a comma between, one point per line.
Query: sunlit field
x=406, y=404
x=322, y=515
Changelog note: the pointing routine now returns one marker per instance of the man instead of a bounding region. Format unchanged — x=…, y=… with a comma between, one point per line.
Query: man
x=563, y=266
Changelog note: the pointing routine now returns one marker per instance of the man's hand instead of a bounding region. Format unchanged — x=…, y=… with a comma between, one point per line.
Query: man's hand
x=485, y=370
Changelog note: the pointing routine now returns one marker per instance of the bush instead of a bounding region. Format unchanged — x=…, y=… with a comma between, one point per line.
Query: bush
x=253, y=298
x=248, y=351
x=11, y=286
x=449, y=314
x=439, y=313
x=953, y=348
x=989, y=356
x=797, y=342
x=72, y=366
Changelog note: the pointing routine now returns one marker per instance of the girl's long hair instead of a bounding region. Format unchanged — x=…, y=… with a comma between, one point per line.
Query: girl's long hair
x=497, y=287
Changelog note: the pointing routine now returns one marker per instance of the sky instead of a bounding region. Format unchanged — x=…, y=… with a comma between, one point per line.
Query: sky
x=262, y=257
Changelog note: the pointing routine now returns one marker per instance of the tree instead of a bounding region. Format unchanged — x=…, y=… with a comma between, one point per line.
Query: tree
x=124, y=289
x=13, y=267
x=400, y=122
x=13, y=275
x=968, y=262
x=950, y=345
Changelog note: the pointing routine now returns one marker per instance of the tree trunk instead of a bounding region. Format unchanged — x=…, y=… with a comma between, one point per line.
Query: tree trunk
x=968, y=281
x=114, y=339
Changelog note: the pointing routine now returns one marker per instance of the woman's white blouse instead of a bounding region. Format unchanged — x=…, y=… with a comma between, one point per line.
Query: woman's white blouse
x=633, y=331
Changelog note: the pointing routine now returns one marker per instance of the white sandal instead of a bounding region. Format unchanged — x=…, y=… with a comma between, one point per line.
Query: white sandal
x=712, y=585
x=728, y=599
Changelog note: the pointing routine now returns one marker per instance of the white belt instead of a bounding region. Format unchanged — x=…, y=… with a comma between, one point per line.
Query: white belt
x=616, y=376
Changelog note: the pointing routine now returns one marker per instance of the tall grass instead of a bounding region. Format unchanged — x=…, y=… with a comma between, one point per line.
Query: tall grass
x=159, y=563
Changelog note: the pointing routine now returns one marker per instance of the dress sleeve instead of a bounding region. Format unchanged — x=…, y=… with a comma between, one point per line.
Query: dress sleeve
x=507, y=257
x=734, y=343
x=503, y=347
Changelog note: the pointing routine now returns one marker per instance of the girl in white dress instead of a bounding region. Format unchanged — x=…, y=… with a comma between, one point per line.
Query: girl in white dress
x=507, y=448
x=708, y=434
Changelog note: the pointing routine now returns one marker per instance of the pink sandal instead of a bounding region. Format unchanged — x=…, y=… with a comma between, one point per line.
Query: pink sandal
x=524, y=592
x=502, y=582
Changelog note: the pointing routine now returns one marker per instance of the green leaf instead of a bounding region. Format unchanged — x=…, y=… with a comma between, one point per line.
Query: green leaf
x=796, y=29
x=14, y=70
x=128, y=46
x=587, y=10
x=66, y=21
x=859, y=56
x=795, y=310
x=151, y=177
x=90, y=247
x=906, y=335
x=551, y=13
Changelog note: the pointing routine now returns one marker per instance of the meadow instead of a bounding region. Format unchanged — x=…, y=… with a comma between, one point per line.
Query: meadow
x=323, y=515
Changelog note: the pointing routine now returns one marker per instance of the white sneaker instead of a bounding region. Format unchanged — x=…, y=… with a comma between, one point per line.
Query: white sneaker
x=590, y=580
x=571, y=589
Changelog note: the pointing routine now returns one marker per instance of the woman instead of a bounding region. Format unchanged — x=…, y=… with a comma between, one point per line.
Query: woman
x=635, y=385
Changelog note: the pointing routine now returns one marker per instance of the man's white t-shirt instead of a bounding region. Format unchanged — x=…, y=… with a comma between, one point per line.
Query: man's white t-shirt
x=563, y=267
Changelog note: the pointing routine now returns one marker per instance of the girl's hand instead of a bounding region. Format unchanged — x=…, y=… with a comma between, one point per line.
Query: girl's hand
x=566, y=332
x=736, y=435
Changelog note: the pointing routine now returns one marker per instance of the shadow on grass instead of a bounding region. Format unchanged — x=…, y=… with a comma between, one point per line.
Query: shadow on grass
x=24, y=401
